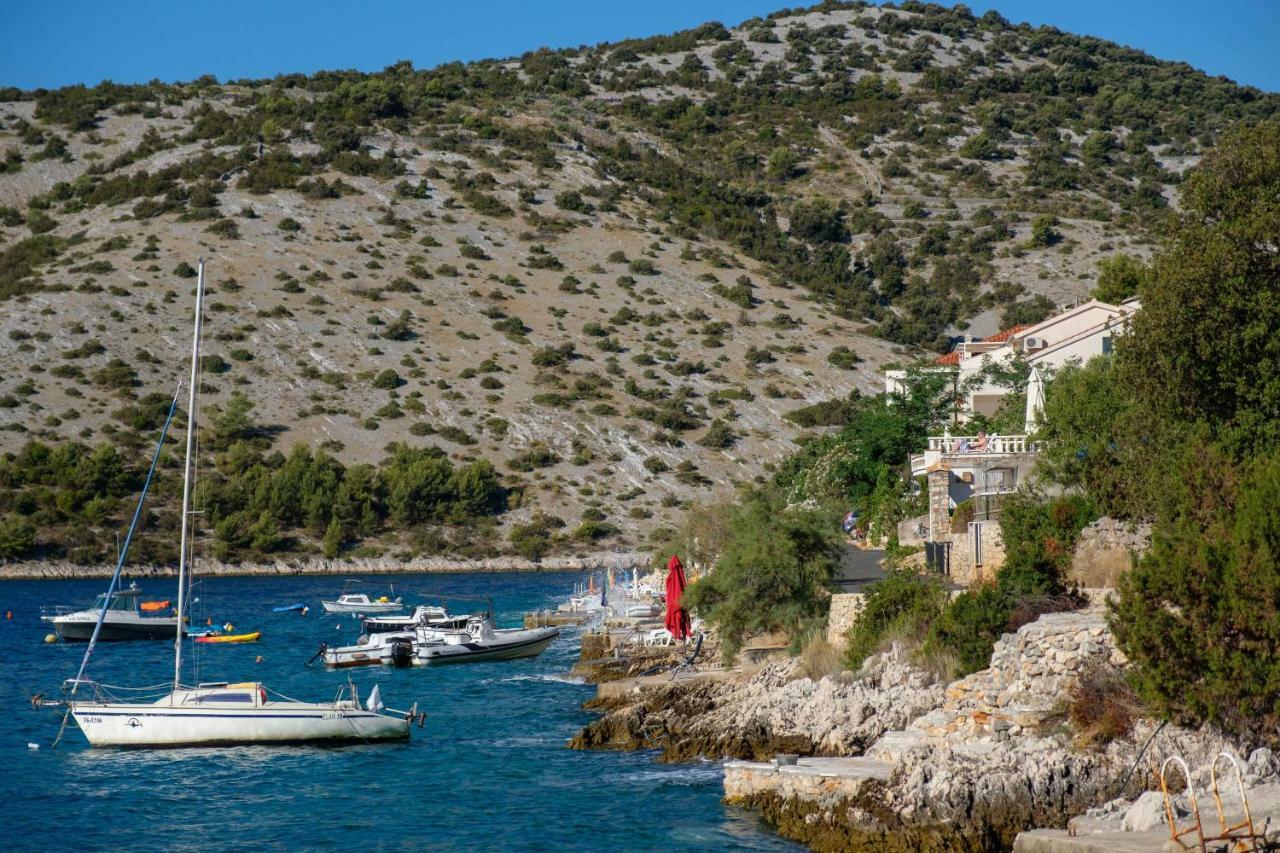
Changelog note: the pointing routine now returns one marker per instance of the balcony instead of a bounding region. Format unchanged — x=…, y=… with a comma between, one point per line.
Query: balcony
x=957, y=450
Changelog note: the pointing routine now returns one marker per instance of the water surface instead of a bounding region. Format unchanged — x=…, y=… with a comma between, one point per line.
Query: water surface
x=488, y=771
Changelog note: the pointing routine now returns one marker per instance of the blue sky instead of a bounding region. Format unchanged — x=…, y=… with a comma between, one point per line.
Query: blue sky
x=57, y=42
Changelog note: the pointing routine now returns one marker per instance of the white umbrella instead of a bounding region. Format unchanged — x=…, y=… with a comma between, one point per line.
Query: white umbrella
x=1035, y=400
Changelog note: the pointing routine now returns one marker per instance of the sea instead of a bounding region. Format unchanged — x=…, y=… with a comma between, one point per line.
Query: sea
x=489, y=770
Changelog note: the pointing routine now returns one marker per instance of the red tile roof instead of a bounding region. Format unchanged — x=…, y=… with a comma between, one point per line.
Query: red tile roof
x=1001, y=337
x=953, y=357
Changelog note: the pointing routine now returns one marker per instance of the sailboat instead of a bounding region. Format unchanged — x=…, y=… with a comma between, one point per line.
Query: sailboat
x=218, y=713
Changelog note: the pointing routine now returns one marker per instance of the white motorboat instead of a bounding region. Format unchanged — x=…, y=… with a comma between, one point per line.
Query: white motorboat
x=124, y=620
x=422, y=615
x=429, y=645
x=219, y=714
x=359, y=602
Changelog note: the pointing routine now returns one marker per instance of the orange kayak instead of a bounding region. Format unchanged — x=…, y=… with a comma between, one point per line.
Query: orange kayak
x=230, y=638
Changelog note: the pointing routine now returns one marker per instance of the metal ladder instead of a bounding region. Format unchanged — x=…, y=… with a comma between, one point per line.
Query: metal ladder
x=1241, y=837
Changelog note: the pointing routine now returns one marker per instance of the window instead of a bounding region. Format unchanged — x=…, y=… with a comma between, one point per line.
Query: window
x=225, y=697
x=1106, y=345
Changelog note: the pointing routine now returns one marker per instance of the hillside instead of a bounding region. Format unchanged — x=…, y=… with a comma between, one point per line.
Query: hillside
x=610, y=271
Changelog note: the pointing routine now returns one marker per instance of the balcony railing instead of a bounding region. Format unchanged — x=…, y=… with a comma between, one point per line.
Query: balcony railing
x=996, y=445
x=957, y=449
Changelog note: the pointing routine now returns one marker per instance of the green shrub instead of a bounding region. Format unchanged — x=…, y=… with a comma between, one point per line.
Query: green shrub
x=901, y=605
x=774, y=573
x=388, y=380
x=1196, y=616
x=843, y=358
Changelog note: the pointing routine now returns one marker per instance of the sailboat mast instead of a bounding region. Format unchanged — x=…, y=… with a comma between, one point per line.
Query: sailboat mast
x=186, y=478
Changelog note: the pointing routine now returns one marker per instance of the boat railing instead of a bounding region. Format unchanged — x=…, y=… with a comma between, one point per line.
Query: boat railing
x=54, y=610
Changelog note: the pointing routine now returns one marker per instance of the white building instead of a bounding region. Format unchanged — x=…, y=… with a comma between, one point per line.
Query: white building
x=1077, y=334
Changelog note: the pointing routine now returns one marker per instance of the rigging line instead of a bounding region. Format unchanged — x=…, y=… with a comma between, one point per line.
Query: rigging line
x=124, y=552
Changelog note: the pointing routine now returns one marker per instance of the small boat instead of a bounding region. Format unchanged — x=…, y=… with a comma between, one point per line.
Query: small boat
x=427, y=645
x=251, y=637
x=423, y=615
x=285, y=608
x=124, y=619
x=358, y=602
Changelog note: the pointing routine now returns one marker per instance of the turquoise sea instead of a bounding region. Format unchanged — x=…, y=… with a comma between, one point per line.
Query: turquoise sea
x=489, y=771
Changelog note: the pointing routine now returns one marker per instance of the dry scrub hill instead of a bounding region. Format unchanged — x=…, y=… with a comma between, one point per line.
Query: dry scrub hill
x=612, y=271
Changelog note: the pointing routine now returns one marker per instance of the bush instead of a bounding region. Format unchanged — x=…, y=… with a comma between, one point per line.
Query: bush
x=1196, y=616
x=387, y=380
x=774, y=573
x=534, y=539
x=901, y=605
x=1101, y=706
x=843, y=358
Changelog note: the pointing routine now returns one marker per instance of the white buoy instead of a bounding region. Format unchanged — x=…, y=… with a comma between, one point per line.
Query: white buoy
x=33, y=746
x=51, y=638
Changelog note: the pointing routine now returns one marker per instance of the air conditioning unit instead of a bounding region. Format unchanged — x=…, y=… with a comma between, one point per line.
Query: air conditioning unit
x=1035, y=343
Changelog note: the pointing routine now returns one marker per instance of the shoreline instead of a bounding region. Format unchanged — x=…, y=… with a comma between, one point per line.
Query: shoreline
x=319, y=567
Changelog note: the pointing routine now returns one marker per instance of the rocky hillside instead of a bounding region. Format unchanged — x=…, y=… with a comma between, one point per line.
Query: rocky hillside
x=611, y=271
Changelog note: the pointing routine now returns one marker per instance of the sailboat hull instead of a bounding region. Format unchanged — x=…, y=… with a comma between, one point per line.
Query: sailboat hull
x=157, y=726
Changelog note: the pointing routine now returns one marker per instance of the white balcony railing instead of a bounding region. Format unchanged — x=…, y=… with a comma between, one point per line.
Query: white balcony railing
x=996, y=445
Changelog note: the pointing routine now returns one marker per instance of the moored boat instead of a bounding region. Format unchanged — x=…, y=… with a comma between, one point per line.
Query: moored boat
x=429, y=645
x=221, y=714
x=359, y=602
x=251, y=637
x=124, y=619
x=423, y=615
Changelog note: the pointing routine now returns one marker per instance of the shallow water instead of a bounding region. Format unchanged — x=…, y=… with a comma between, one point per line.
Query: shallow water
x=488, y=771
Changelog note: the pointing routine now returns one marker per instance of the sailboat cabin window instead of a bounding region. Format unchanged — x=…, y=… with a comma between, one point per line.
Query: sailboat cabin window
x=239, y=696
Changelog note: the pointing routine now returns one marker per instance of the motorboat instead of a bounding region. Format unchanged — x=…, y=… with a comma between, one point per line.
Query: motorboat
x=423, y=615
x=208, y=714
x=477, y=641
x=359, y=602
x=124, y=620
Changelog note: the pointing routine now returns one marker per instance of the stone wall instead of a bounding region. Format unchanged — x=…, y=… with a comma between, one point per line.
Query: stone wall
x=909, y=530
x=939, y=484
x=1030, y=673
x=964, y=569
x=1106, y=550
x=845, y=608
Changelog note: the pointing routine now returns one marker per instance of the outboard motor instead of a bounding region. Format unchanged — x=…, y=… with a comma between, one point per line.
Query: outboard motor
x=402, y=654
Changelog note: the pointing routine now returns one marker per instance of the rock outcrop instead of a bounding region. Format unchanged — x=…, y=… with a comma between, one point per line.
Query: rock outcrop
x=992, y=758
x=771, y=712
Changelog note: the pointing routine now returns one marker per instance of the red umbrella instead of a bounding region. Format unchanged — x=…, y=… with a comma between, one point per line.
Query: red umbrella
x=677, y=616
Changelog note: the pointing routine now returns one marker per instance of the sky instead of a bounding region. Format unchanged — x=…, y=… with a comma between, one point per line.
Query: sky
x=51, y=43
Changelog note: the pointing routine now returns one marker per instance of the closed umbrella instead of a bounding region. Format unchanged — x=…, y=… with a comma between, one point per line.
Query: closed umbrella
x=1035, y=400
x=677, y=620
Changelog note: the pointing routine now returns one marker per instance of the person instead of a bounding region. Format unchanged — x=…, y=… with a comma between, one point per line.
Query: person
x=980, y=445
x=849, y=521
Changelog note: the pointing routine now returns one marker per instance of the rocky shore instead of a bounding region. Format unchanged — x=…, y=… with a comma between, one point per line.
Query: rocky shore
x=318, y=566
x=904, y=763
x=776, y=710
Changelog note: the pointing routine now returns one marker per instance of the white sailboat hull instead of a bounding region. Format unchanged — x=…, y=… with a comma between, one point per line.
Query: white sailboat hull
x=150, y=725
x=364, y=607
